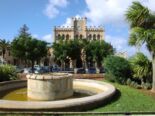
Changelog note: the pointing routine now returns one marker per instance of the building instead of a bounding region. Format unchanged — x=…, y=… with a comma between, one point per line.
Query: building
x=9, y=59
x=122, y=54
x=78, y=30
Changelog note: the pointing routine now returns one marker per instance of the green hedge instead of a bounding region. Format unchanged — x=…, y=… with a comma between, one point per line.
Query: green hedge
x=117, y=69
x=7, y=72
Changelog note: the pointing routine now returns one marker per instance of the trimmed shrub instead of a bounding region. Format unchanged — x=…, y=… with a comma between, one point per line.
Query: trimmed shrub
x=128, y=82
x=7, y=72
x=118, y=68
x=132, y=83
x=109, y=77
x=147, y=86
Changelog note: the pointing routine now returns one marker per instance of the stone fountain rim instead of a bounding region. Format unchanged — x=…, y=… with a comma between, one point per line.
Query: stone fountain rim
x=85, y=102
x=49, y=76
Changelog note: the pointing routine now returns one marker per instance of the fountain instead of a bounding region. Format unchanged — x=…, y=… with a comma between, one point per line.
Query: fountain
x=55, y=92
x=49, y=87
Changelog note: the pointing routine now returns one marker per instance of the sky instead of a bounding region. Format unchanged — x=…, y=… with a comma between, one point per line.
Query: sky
x=42, y=15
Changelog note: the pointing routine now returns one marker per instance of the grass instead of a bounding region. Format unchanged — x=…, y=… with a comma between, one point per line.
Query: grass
x=129, y=99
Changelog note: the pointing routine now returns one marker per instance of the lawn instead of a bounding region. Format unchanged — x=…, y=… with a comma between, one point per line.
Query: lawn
x=129, y=99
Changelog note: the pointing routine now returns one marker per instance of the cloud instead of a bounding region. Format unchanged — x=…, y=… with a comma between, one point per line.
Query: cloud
x=110, y=11
x=35, y=35
x=48, y=38
x=105, y=12
x=68, y=21
x=52, y=8
x=120, y=44
x=117, y=42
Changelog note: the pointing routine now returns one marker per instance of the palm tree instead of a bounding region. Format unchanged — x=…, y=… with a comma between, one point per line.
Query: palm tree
x=142, y=23
x=3, y=46
x=141, y=66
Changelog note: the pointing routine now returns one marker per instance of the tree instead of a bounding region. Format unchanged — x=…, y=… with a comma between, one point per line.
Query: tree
x=26, y=47
x=117, y=69
x=82, y=49
x=141, y=66
x=23, y=32
x=7, y=72
x=3, y=46
x=20, y=43
x=142, y=23
x=97, y=50
x=60, y=51
x=74, y=50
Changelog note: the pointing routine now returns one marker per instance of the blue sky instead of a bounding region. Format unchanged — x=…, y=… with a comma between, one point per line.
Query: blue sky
x=42, y=15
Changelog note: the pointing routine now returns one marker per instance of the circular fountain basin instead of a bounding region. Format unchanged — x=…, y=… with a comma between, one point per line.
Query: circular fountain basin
x=50, y=86
x=103, y=93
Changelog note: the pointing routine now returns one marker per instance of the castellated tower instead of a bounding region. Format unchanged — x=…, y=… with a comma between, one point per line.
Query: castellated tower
x=79, y=27
x=78, y=30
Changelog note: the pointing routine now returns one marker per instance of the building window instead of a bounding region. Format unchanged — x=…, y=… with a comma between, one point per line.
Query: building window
x=81, y=37
x=76, y=36
x=8, y=61
x=14, y=61
x=98, y=37
x=63, y=37
x=9, y=53
x=67, y=37
x=94, y=37
x=59, y=36
x=90, y=36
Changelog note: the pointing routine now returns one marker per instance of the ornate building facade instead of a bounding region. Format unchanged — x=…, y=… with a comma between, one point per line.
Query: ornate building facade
x=78, y=30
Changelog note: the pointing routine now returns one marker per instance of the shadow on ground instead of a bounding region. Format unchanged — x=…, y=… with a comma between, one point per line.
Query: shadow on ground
x=109, y=101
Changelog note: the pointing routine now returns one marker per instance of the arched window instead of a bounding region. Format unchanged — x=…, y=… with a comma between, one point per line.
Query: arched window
x=59, y=36
x=63, y=37
x=98, y=37
x=67, y=37
x=94, y=37
x=81, y=36
x=76, y=36
x=90, y=37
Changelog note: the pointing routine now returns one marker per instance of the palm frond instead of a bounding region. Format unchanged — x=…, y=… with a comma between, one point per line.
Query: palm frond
x=137, y=37
x=139, y=15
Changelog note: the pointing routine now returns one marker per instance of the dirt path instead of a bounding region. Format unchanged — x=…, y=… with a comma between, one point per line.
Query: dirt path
x=148, y=92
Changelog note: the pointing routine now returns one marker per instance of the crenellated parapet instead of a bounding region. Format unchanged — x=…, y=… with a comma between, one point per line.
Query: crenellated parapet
x=63, y=28
x=79, y=18
x=94, y=28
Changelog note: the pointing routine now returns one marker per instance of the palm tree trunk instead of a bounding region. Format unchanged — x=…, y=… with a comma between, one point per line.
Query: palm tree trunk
x=3, y=52
x=153, y=69
x=2, y=58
